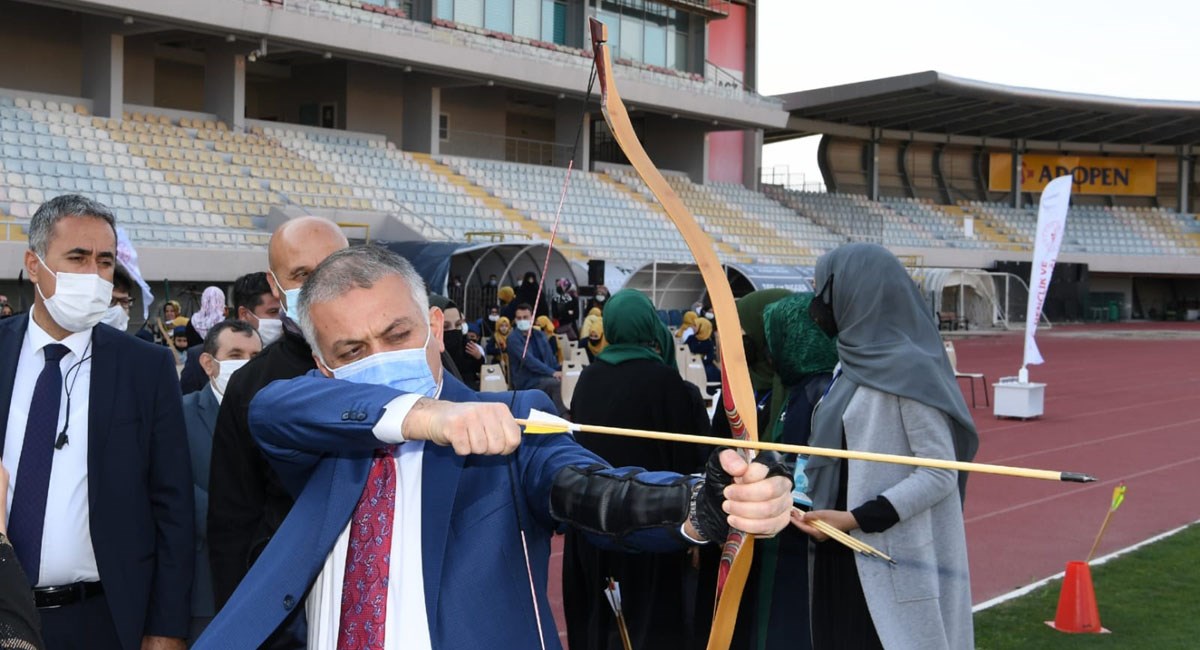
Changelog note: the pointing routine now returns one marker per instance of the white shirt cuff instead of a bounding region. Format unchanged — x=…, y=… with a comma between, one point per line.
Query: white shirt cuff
x=683, y=531
x=390, y=427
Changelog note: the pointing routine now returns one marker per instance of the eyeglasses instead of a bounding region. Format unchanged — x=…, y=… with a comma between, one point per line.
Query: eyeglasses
x=125, y=303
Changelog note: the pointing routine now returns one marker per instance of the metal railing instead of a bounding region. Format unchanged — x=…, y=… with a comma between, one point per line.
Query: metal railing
x=783, y=176
x=500, y=147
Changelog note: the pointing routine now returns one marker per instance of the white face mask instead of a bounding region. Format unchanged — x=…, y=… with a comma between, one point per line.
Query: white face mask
x=269, y=330
x=493, y=317
x=524, y=325
x=709, y=315
x=403, y=370
x=79, y=300
x=291, y=300
x=116, y=317
x=225, y=370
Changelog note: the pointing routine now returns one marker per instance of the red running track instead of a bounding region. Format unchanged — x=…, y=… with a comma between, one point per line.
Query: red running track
x=1119, y=405
x=1120, y=408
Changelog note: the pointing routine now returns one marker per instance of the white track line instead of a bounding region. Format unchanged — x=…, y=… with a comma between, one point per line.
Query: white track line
x=1017, y=593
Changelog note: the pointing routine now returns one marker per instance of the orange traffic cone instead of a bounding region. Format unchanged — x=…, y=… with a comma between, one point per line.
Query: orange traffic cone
x=1077, y=611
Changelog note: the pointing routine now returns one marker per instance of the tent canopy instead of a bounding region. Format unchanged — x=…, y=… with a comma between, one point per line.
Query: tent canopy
x=672, y=285
x=474, y=264
x=969, y=293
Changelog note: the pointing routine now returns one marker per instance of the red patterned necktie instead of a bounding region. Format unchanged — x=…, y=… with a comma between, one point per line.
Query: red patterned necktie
x=365, y=582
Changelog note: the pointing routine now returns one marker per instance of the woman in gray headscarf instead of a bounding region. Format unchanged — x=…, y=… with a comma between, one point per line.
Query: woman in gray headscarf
x=893, y=393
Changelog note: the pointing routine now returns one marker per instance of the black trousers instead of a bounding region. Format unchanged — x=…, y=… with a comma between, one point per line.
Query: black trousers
x=83, y=625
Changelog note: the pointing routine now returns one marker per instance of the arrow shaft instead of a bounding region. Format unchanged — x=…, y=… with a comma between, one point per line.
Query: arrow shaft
x=937, y=463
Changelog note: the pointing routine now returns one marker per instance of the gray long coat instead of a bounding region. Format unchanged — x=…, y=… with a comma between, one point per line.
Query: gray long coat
x=924, y=601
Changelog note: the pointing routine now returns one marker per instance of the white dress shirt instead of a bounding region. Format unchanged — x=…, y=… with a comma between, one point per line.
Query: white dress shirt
x=406, y=625
x=67, y=555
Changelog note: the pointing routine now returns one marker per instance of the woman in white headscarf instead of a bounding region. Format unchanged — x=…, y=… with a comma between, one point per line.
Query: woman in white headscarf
x=893, y=392
x=212, y=311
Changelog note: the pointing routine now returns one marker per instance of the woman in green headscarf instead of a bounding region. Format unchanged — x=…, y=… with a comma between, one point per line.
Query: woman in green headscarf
x=633, y=382
x=770, y=397
x=802, y=358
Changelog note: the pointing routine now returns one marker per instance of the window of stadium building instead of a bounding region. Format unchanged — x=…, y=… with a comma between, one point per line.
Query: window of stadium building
x=544, y=20
x=648, y=32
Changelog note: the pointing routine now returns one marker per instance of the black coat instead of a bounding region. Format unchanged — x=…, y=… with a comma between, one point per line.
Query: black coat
x=139, y=479
x=247, y=502
x=644, y=394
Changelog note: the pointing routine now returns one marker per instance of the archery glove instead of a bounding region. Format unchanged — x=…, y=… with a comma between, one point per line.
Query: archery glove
x=709, y=517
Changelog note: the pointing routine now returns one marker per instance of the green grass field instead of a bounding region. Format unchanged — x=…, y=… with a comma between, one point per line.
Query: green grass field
x=1149, y=599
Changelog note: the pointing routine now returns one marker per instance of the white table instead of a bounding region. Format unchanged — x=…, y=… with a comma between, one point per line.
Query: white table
x=1017, y=400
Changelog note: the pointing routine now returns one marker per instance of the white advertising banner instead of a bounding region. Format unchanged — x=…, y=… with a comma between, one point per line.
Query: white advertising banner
x=1052, y=220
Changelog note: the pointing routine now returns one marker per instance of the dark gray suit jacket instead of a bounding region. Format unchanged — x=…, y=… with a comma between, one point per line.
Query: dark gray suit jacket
x=200, y=416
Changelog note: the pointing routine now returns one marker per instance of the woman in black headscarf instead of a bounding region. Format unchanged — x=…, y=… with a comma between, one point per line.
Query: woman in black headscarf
x=634, y=382
x=566, y=308
x=527, y=293
x=894, y=393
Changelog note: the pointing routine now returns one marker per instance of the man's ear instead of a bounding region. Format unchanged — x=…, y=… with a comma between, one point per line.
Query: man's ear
x=275, y=289
x=437, y=320
x=32, y=266
x=322, y=368
x=211, y=366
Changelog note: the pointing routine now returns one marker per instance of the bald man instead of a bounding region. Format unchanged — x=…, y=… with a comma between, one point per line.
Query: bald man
x=246, y=500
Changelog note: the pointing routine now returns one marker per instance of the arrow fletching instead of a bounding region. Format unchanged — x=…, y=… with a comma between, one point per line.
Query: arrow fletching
x=541, y=422
x=1118, y=496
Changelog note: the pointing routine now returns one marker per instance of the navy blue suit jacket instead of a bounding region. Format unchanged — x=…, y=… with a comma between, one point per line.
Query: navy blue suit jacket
x=200, y=415
x=139, y=479
x=318, y=435
x=539, y=361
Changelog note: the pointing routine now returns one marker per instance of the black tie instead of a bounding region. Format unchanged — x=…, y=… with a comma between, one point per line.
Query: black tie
x=28, y=516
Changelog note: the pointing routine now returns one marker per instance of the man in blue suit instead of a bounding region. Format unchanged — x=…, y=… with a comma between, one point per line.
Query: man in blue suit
x=227, y=347
x=535, y=368
x=431, y=518
x=101, y=509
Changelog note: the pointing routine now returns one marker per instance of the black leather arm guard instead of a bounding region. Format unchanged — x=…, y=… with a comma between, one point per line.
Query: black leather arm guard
x=598, y=500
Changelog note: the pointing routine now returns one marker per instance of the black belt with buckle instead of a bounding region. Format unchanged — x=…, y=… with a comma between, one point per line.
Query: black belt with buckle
x=46, y=597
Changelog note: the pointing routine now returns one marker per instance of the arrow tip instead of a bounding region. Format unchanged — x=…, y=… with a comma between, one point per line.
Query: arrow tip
x=1076, y=477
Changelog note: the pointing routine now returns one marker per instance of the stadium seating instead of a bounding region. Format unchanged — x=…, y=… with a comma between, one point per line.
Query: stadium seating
x=192, y=182
x=597, y=219
x=51, y=148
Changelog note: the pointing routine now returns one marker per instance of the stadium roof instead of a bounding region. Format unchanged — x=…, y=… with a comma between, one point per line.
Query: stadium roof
x=936, y=104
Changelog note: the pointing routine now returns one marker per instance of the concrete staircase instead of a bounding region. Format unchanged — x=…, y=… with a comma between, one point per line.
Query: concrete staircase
x=527, y=225
x=724, y=250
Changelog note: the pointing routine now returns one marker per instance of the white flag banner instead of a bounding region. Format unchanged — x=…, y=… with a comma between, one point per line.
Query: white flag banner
x=1052, y=220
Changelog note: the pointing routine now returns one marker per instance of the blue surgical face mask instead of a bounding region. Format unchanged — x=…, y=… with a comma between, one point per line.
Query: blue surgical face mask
x=291, y=299
x=404, y=370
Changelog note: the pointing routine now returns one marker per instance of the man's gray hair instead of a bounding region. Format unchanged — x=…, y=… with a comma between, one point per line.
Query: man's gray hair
x=41, y=226
x=355, y=267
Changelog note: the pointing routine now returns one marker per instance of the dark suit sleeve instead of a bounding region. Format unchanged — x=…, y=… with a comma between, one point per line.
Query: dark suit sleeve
x=532, y=364
x=236, y=494
x=192, y=378
x=296, y=421
x=171, y=502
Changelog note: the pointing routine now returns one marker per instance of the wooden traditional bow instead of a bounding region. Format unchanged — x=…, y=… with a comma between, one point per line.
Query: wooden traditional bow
x=738, y=393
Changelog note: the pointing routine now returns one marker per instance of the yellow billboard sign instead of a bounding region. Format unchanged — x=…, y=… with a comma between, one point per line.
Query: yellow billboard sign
x=1091, y=174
